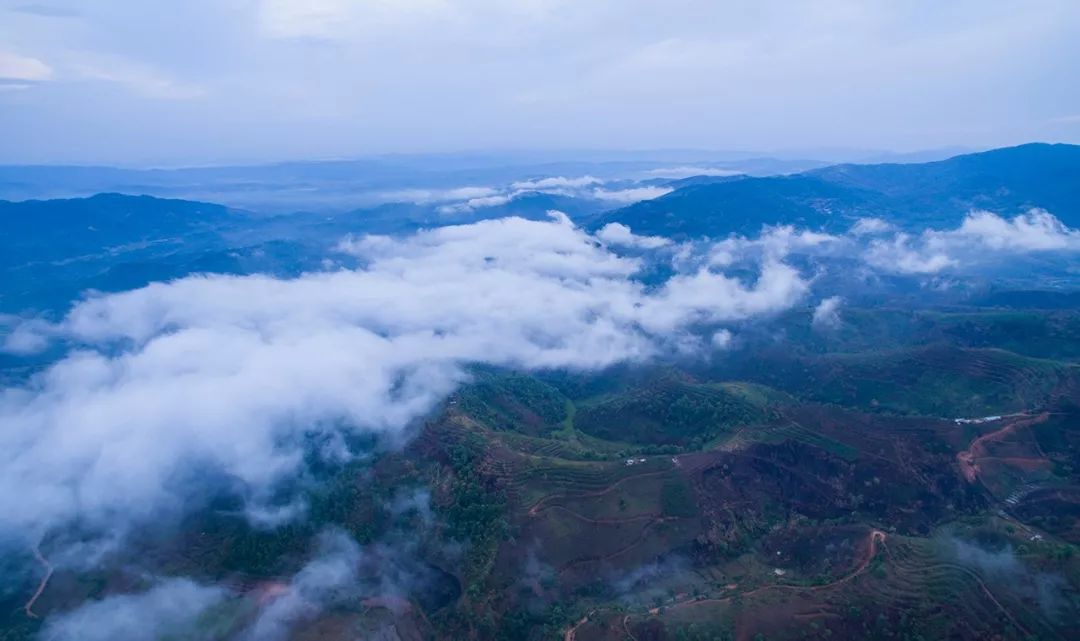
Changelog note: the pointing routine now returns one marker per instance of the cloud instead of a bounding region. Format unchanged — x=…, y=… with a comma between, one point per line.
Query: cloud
x=14, y=67
x=23, y=336
x=343, y=19
x=619, y=235
x=170, y=607
x=327, y=579
x=981, y=237
x=775, y=242
x=233, y=373
x=138, y=77
x=47, y=10
x=369, y=71
x=473, y=198
x=871, y=227
x=688, y=172
x=631, y=195
x=826, y=314
x=706, y=297
x=1036, y=230
x=980, y=240
x=904, y=254
x=556, y=182
x=476, y=203
x=386, y=573
x=632, y=584
x=427, y=196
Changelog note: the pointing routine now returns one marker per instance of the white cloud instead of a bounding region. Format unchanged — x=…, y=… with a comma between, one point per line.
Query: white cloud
x=616, y=234
x=556, y=182
x=22, y=336
x=556, y=185
x=708, y=297
x=344, y=19
x=167, y=608
x=473, y=204
x=473, y=198
x=318, y=584
x=905, y=255
x=775, y=242
x=336, y=78
x=428, y=196
x=826, y=314
x=870, y=227
x=631, y=195
x=981, y=237
x=140, y=78
x=675, y=173
x=291, y=19
x=1036, y=230
x=722, y=339
x=229, y=372
x=16, y=67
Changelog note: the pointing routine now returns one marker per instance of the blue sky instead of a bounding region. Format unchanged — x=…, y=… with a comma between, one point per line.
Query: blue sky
x=200, y=81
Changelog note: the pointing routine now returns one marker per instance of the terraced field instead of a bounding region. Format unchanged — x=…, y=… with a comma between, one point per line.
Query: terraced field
x=797, y=519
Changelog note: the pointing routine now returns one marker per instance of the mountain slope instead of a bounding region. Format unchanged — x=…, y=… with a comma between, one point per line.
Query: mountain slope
x=743, y=206
x=52, y=249
x=42, y=230
x=1006, y=181
x=937, y=194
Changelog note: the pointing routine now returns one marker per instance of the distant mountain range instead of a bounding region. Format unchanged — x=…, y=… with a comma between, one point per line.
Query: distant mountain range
x=50, y=250
x=344, y=185
x=1006, y=181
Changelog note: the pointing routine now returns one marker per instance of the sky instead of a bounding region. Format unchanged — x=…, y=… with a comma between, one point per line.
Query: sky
x=220, y=81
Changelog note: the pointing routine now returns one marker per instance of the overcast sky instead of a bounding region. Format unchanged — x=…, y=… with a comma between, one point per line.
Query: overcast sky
x=212, y=81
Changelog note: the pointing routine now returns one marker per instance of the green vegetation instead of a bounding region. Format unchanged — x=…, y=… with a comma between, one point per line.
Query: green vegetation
x=514, y=402
x=668, y=411
x=933, y=381
x=475, y=513
x=736, y=500
x=677, y=499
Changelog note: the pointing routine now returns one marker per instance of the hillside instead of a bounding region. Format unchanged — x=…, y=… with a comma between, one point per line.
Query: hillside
x=51, y=250
x=936, y=194
x=42, y=230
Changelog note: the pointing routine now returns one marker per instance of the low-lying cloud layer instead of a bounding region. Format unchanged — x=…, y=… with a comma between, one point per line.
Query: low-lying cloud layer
x=323, y=581
x=616, y=193
x=340, y=571
x=981, y=237
x=232, y=373
x=827, y=313
x=981, y=240
x=169, y=606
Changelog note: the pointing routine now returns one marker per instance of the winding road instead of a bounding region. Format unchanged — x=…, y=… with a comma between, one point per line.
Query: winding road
x=29, y=607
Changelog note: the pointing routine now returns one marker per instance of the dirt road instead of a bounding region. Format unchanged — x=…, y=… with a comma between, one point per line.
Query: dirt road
x=969, y=458
x=29, y=607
